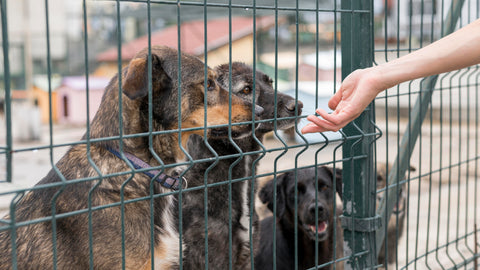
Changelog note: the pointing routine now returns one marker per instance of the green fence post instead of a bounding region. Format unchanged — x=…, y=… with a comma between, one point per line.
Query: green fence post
x=359, y=220
x=6, y=73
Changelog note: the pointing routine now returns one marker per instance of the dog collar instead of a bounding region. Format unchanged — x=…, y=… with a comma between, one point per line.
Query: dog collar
x=164, y=179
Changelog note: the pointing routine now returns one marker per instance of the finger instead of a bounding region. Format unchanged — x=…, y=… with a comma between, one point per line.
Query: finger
x=330, y=117
x=322, y=124
x=311, y=128
x=333, y=102
x=315, y=120
x=332, y=121
x=340, y=117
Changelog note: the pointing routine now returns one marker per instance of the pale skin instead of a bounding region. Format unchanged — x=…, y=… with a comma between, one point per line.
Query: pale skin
x=458, y=50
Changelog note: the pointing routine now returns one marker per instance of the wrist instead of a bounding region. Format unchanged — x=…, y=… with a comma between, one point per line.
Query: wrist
x=378, y=79
x=393, y=73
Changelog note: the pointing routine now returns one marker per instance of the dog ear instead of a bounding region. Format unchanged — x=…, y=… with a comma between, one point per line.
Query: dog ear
x=266, y=194
x=222, y=72
x=135, y=83
x=337, y=176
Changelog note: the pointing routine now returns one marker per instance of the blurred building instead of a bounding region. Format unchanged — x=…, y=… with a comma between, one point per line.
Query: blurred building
x=44, y=98
x=72, y=98
x=192, y=40
x=27, y=33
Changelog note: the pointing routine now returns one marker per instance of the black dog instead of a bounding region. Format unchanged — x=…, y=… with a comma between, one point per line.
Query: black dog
x=242, y=163
x=218, y=212
x=310, y=203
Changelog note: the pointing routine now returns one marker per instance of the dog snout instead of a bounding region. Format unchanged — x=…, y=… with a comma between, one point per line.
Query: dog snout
x=321, y=210
x=291, y=104
x=258, y=110
x=299, y=106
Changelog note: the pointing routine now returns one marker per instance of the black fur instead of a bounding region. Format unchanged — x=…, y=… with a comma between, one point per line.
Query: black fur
x=307, y=225
x=244, y=167
x=218, y=212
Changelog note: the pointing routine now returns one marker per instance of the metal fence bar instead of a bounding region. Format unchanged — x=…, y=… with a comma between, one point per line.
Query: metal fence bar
x=87, y=137
x=8, y=108
x=121, y=132
x=359, y=220
x=50, y=124
x=275, y=195
x=150, y=131
x=296, y=210
x=255, y=138
x=230, y=53
x=358, y=143
x=418, y=113
x=205, y=180
x=179, y=106
x=476, y=244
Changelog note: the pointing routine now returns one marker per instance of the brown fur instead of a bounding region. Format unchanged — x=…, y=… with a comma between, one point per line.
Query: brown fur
x=63, y=191
x=251, y=86
x=397, y=220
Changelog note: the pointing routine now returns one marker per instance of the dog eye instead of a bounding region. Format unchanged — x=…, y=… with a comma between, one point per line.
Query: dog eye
x=247, y=90
x=322, y=187
x=301, y=188
x=210, y=85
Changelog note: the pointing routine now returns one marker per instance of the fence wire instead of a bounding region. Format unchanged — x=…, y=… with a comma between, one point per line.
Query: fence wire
x=433, y=204
x=406, y=203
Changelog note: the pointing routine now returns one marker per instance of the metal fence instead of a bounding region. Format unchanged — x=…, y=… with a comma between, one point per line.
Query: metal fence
x=423, y=216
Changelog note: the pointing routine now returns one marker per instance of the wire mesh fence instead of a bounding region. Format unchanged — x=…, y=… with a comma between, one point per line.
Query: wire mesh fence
x=439, y=162
x=124, y=154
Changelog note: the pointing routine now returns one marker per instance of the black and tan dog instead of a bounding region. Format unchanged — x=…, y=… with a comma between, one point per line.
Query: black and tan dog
x=71, y=209
x=245, y=85
x=311, y=203
x=237, y=162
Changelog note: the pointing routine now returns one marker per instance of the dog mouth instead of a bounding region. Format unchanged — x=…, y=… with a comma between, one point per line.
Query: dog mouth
x=399, y=207
x=284, y=118
x=281, y=124
x=321, y=230
x=236, y=133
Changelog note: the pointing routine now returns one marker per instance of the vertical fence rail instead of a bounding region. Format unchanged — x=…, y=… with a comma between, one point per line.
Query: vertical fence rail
x=6, y=75
x=364, y=225
x=359, y=220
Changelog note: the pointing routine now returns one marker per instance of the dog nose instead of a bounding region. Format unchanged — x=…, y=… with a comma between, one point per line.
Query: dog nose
x=258, y=110
x=291, y=105
x=320, y=208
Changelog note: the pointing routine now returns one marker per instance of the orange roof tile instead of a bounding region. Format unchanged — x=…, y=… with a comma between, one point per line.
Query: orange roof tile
x=192, y=36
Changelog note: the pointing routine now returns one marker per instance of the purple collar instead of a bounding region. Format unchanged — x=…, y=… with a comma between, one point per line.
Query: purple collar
x=164, y=180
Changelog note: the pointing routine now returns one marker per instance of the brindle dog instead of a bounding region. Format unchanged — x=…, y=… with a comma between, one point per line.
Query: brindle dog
x=242, y=161
x=73, y=209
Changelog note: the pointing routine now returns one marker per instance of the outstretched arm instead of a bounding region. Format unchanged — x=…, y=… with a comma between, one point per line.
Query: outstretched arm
x=455, y=51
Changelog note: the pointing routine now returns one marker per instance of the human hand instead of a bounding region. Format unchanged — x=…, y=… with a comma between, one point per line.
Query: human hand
x=362, y=86
x=356, y=92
